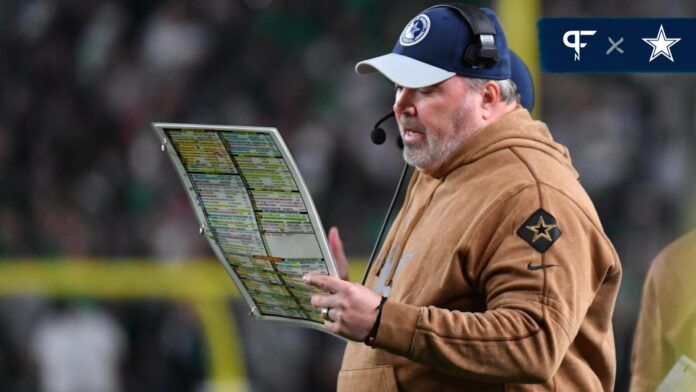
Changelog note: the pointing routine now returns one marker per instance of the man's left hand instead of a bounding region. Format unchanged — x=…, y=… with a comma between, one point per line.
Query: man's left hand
x=352, y=307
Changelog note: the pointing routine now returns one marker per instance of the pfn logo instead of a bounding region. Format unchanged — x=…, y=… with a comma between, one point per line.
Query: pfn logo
x=576, y=44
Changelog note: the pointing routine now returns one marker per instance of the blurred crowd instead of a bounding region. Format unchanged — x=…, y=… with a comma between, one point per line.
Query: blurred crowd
x=81, y=173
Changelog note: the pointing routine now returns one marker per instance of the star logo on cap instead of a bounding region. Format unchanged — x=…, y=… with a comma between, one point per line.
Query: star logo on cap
x=661, y=45
x=415, y=30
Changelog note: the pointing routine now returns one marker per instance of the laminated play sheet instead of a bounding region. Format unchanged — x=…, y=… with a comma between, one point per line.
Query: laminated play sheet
x=681, y=378
x=256, y=213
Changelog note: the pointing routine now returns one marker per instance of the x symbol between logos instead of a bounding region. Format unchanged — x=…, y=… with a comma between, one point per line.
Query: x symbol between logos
x=615, y=45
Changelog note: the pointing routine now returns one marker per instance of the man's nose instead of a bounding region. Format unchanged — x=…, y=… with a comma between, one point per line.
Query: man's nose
x=403, y=102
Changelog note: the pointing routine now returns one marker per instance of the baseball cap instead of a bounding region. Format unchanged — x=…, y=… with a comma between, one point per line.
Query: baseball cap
x=519, y=73
x=430, y=50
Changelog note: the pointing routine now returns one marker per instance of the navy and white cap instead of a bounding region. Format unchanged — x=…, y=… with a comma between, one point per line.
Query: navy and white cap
x=519, y=73
x=430, y=50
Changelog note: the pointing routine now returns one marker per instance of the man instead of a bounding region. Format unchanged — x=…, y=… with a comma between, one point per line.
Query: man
x=667, y=321
x=496, y=274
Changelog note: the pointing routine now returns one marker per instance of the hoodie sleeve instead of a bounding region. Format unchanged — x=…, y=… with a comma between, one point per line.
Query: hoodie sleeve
x=535, y=300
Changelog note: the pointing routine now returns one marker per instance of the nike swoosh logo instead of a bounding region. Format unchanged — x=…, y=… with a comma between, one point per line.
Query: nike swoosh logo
x=539, y=267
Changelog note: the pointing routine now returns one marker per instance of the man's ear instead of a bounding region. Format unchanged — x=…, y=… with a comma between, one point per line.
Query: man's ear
x=490, y=97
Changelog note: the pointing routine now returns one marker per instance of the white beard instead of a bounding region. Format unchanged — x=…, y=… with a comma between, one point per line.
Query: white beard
x=435, y=150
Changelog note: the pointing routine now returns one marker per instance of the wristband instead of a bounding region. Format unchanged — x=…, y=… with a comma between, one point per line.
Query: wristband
x=370, y=339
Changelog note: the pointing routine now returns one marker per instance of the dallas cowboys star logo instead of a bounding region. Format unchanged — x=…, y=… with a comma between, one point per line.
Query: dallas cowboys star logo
x=541, y=230
x=415, y=29
x=661, y=45
x=540, y=225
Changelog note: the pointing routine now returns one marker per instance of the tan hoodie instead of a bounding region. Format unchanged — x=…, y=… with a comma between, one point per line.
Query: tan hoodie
x=498, y=273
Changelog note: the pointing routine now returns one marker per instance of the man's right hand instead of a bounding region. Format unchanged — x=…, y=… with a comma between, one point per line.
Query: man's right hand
x=339, y=254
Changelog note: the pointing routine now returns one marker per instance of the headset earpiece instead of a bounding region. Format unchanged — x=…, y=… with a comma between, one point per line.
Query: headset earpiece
x=479, y=58
x=482, y=52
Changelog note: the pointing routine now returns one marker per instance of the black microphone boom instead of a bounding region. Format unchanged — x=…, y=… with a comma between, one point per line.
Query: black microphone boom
x=378, y=135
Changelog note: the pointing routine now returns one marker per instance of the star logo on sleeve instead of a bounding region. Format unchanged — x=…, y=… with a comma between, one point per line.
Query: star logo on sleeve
x=540, y=230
